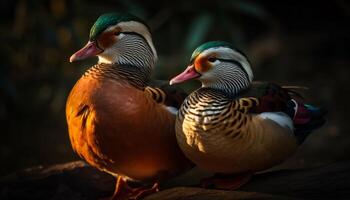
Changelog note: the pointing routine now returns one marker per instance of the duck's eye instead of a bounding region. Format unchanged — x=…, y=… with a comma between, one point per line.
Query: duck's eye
x=117, y=33
x=212, y=59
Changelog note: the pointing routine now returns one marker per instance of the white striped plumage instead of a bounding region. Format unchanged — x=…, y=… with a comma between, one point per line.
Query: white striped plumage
x=215, y=129
x=227, y=53
x=230, y=70
x=227, y=140
x=127, y=36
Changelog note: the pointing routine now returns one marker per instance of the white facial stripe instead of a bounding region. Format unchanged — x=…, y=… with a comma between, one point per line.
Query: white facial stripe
x=137, y=27
x=230, y=54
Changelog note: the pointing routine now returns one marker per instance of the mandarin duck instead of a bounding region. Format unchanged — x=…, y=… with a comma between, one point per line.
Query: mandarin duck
x=116, y=121
x=234, y=127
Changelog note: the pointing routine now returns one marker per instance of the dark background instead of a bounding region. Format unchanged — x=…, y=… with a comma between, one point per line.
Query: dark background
x=300, y=43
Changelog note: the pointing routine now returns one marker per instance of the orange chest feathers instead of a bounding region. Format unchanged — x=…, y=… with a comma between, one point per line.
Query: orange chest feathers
x=119, y=128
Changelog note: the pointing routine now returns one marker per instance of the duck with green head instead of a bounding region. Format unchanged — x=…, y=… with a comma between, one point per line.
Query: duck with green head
x=116, y=121
x=234, y=127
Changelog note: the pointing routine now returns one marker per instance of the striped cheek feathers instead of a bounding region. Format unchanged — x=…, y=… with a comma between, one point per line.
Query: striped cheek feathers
x=108, y=38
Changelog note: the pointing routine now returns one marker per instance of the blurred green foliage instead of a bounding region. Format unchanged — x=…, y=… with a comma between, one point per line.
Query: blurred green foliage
x=287, y=42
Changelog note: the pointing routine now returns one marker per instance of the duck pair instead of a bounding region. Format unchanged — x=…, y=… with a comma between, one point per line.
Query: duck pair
x=123, y=123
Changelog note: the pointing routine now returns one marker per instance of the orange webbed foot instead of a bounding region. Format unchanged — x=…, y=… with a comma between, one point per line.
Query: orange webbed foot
x=226, y=181
x=124, y=192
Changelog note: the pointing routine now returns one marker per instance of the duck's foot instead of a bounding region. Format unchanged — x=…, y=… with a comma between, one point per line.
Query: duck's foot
x=124, y=192
x=226, y=181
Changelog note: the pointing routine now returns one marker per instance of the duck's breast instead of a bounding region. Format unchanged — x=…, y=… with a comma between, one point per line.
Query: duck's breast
x=218, y=146
x=116, y=127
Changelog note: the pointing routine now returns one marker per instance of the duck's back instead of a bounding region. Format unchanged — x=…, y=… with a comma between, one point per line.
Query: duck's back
x=117, y=127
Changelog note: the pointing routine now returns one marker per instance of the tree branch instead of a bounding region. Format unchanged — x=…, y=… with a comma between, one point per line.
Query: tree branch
x=77, y=180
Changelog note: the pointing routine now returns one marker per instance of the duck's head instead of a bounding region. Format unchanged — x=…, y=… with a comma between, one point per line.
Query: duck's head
x=218, y=65
x=119, y=38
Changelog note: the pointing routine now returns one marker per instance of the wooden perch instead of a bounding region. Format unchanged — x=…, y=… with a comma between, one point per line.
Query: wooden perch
x=77, y=180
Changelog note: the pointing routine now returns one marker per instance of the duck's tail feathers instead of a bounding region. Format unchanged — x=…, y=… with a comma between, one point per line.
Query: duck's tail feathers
x=295, y=91
x=306, y=119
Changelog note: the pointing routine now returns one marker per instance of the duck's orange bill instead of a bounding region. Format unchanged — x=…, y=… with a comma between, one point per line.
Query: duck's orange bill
x=189, y=73
x=89, y=50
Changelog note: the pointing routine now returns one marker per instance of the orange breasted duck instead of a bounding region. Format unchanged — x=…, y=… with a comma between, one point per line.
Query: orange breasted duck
x=116, y=121
x=234, y=127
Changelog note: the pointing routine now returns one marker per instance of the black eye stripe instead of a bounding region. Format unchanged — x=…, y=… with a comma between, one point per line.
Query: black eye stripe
x=212, y=59
x=131, y=33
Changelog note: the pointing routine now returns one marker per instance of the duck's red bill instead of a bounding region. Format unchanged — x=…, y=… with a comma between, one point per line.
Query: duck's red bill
x=189, y=74
x=89, y=50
